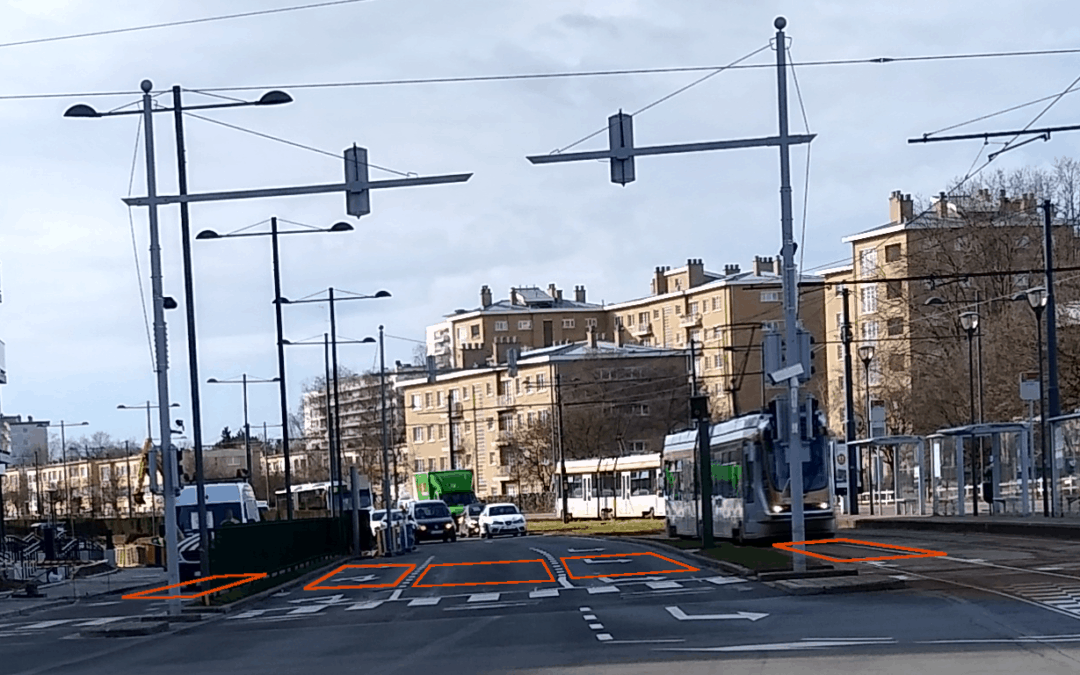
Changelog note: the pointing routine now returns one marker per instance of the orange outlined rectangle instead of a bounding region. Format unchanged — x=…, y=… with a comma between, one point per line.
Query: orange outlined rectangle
x=244, y=579
x=684, y=566
x=550, y=579
x=314, y=585
x=913, y=552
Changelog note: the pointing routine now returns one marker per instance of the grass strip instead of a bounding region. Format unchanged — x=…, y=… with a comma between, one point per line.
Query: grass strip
x=629, y=526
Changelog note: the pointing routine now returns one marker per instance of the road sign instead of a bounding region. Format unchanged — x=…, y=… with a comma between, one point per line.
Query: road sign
x=1029, y=386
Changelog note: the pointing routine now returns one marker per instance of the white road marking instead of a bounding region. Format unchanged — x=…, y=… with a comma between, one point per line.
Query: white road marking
x=603, y=637
x=493, y=605
x=250, y=614
x=901, y=577
x=721, y=581
x=585, y=609
x=564, y=582
x=658, y=585
x=47, y=624
x=782, y=646
x=1052, y=568
x=483, y=597
x=102, y=621
x=104, y=604
x=593, y=590
x=646, y=642
x=424, y=602
x=396, y=594
x=584, y=550
x=370, y=604
x=326, y=599
x=544, y=593
x=589, y=617
x=596, y=626
x=683, y=616
x=594, y=561
x=310, y=609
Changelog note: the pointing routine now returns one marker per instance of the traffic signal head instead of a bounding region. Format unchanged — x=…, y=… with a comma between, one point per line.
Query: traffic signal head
x=357, y=196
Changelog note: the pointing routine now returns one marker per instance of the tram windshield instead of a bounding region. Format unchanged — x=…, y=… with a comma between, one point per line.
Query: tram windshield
x=814, y=473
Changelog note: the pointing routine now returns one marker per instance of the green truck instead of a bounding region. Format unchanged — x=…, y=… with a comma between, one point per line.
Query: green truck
x=453, y=487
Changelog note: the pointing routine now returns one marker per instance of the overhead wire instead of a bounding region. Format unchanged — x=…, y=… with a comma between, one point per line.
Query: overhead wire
x=134, y=245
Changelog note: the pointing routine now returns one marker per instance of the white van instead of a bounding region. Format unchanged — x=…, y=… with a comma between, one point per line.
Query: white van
x=226, y=503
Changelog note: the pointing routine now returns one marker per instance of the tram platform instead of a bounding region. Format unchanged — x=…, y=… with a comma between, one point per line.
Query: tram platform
x=1035, y=525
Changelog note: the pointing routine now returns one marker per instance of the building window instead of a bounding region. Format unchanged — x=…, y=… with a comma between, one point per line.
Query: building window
x=839, y=321
x=695, y=335
x=895, y=327
x=427, y=399
x=590, y=323
x=488, y=388
x=465, y=393
x=868, y=262
x=491, y=459
x=431, y=432
x=717, y=332
x=525, y=324
x=716, y=304
x=643, y=318
x=438, y=399
x=718, y=361
x=638, y=446
x=461, y=334
x=567, y=323
x=869, y=330
x=442, y=432
x=418, y=434
x=528, y=386
x=474, y=330
x=530, y=418
x=517, y=386
x=416, y=401
x=693, y=309
x=868, y=296
x=892, y=253
x=770, y=296
x=491, y=423
x=442, y=464
x=678, y=310
x=656, y=314
x=502, y=326
x=418, y=465
x=894, y=289
x=541, y=384
x=431, y=464
x=770, y=325
x=628, y=320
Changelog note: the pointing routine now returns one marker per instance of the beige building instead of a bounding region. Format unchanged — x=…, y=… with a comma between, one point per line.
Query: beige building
x=530, y=318
x=725, y=316
x=616, y=399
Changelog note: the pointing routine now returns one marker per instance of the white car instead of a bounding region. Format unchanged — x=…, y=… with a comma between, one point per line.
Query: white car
x=378, y=520
x=501, y=519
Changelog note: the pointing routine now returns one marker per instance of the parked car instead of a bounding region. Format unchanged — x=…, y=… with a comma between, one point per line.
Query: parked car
x=501, y=519
x=378, y=519
x=470, y=519
x=433, y=520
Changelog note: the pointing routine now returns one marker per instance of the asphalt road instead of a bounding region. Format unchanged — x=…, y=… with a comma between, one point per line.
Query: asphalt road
x=567, y=604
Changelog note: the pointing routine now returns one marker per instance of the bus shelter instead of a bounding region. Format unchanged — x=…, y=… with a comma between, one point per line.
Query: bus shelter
x=1065, y=435
x=895, y=468
x=1006, y=481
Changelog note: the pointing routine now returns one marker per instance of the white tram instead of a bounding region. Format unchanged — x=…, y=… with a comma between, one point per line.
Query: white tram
x=612, y=487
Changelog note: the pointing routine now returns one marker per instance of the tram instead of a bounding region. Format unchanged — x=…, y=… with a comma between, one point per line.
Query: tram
x=751, y=496
x=612, y=487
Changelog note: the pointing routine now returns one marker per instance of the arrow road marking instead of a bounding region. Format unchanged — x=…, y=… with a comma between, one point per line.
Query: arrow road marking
x=309, y=609
x=326, y=599
x=594, y=561
x=584, y=550
x=720, y=581
x=361, y=579
x=683, y=616
x=371, y=604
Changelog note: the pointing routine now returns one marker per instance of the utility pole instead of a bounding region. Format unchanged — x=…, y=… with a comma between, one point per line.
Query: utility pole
x=621, y=152
x=699, y=413
x=1053, y=400
x=562, y=448
x=450, y=425
x=385, y=442
x=846, y=336
x=329, y=419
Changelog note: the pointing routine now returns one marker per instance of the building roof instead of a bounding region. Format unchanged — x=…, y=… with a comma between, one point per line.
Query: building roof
x=746, y=278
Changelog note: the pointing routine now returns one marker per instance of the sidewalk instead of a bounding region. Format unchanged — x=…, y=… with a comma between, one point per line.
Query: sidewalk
x=64, y=592
x=1030, y=526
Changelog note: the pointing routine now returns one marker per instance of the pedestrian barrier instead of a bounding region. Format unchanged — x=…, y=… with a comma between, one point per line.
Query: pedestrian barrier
x=127, y=555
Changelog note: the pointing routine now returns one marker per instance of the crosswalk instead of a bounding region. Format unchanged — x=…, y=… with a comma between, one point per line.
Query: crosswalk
x=1061, y=596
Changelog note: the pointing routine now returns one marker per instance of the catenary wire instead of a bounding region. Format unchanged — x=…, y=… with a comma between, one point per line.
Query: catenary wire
x=134, y=245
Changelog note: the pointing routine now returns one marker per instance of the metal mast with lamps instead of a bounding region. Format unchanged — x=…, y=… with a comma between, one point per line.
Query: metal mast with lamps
x=969, y=321
x=1037, y=299
x=866, y=355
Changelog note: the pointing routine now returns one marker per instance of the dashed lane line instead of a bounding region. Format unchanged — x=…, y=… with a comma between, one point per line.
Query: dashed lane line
x=594, y=590
x=424, y=602
x=544, y=593
x=484, y=597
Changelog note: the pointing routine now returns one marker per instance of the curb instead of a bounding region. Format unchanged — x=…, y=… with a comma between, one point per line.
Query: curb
x=23, y=611
x=834, y=585
x=986, y=527
x=723, y=565
x=131, y=629
x=303, y=579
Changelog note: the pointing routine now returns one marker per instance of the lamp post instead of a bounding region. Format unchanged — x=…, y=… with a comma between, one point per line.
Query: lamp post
x=866, y=355
x=273, y=234
x=244, y=379
x=147, y=407
x=969, y=321
x=67, y=479
x=1037, y=298
x=336, y=476
x=385, y=439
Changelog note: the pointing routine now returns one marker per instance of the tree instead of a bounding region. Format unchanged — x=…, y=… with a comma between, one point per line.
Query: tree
x=226, y=436
x=530, y=457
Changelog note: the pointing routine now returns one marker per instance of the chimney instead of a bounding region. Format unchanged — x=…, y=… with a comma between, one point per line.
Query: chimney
x=901, y=208
x=763, y=265
x=553, y=292
x=730, y=269
x=590, y=335
x=485, y=297
x=778, y=266
x=515, y=299
x=659, y=284
x=695, y=269
x=942, y=205
x=579, y=294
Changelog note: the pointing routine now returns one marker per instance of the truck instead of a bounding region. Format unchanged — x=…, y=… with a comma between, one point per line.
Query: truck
x=453, y=487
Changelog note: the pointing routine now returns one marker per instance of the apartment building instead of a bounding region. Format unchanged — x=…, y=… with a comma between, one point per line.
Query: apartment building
x=27, y=437
x=529, y=318
x=725, y=317
x=615, y=400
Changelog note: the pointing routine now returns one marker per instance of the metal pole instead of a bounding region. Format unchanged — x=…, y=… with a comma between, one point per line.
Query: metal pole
x=385, y=442
x=1042, y=417
x=354, y=478
x=247, y=431
x=281, y=371
x=329, y=419
x=161, y=346
x=791, y=302
x=450, y=425
x=849, y=409
x=149, y=431
x=562, y=449
x=869, y=452
x=127, y=477
x=193, y=359
x=1053, y=401
x=337, y=404
x=67, y=480
x=971, y=401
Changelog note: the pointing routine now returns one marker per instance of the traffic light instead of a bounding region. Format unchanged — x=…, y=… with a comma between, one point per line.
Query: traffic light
x=357, y=196
x=621, y=138
x=806, y=354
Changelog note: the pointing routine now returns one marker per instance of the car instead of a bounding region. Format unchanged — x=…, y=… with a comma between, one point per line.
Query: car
x=470, y=519
x=378, y=520
x=433, y=520
x=501, y=519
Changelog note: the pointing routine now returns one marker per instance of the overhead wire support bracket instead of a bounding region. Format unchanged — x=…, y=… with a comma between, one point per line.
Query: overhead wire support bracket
x=1044, y=131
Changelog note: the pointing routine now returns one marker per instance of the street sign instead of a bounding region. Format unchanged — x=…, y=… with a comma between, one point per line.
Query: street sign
x=1029, y=386
x=840, y=463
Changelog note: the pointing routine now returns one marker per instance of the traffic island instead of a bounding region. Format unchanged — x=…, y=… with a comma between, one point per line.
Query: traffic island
x=126, y=629
x=850, y=583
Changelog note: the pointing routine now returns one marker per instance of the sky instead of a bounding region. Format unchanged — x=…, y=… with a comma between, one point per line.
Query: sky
x=75, y=271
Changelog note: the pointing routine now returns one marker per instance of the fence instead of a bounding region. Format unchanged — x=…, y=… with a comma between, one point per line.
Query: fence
x=280, y=544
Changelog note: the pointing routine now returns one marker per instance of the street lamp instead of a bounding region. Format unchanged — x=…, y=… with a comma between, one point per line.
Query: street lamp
x=335, y=437
x=161, y=303
x=1037, y=299
x=147, y=407
x=969, y=321
x=866, y=355
x=67, y=480
x=273, y=234
x=247, y=428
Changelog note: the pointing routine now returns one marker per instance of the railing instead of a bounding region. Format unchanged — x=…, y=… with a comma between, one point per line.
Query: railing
x=642, y=329
x=505, y=400
x=690, y=321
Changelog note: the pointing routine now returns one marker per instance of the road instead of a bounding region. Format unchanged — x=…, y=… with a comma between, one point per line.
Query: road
x=565, y=604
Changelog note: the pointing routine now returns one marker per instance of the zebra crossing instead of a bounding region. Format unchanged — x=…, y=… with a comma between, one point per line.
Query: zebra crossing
x=1061, y=596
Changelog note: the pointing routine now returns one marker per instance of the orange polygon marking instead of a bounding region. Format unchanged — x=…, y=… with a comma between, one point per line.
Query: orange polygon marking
x=551, y=577
x=244, y=579
x=912, y=552
x=684, y=567
x=314, y=585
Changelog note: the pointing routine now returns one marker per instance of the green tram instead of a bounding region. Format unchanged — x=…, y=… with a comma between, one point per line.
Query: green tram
x=751, y=496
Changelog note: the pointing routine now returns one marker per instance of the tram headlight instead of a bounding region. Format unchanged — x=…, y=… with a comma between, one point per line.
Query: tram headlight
x=823, y=505
x=776, y=508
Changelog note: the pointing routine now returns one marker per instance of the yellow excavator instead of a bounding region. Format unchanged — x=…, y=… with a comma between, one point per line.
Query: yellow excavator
x=144, y=471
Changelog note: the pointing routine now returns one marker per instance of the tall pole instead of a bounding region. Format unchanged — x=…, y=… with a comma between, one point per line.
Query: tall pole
x=149, y=431
x=127, y=479
x=562, y=448
x=329, y=419
x=971, y=401
x=870, y=455
x=1053, y=401
x=281, y=371
x=337, y=399
x=1042, y=417
x=161, y=346
x=385, y=439
x=67, y=481
x=450, y=425
x=193, y=359
x=247, y=431
x=849, y=408
x=791, y=302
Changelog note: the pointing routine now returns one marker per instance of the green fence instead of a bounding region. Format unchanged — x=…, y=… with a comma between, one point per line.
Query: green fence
x=277, y=545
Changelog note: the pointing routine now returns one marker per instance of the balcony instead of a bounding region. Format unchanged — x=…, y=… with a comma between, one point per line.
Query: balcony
x=690, y=321
x=642, y=329
x=504, y=401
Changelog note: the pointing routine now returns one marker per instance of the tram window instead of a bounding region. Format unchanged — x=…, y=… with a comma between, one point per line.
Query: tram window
x=641, y=483
x=673, y=476
x=576, y=487
x=726, y=480
x=607, y=485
